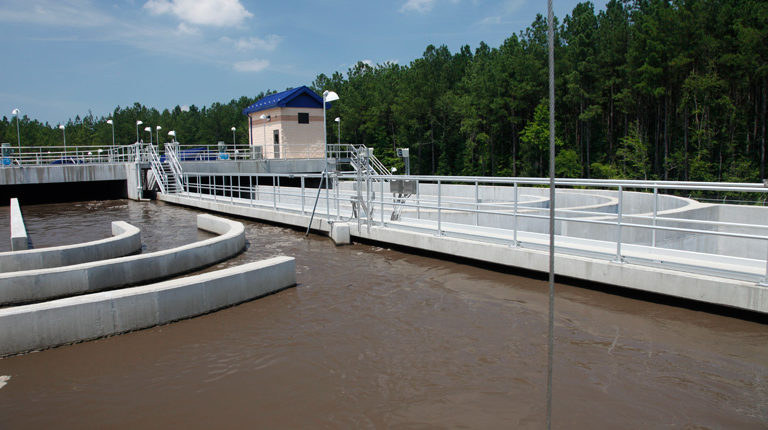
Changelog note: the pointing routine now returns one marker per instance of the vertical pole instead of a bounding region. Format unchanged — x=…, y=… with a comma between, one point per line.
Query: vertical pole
x=439, y=207
x=477, y=206
x=514, y=218
x=327, y=202
x=618, y=227
x=655, y=210
x=302, y=195
x=418, y=201
x=551, y=324
x=274, y=194
x=381, y=196
x=231, y=189
x=278, y=188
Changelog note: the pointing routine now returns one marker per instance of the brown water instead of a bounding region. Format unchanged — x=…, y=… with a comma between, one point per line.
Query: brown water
x=374, y=338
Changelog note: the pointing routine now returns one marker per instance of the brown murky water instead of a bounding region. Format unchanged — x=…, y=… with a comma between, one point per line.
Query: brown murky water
x=374, y=338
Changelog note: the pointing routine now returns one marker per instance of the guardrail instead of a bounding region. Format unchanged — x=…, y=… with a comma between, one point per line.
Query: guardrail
x=60, y=155
x=245, y=152
x=512, y=210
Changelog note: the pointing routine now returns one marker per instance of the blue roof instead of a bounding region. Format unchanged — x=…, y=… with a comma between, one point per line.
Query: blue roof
x=297, y=97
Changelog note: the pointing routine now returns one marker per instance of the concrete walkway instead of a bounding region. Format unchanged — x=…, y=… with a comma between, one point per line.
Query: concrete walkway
x=727, y=281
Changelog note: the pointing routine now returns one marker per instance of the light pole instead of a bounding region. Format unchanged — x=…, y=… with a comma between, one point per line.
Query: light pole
x=172, y=133
x=18, y=136
x=138, y=123
x=233, y=136
x=328, y=96
x=64, y=134
x=157, y=134
x=149, y=129
x=112, y=123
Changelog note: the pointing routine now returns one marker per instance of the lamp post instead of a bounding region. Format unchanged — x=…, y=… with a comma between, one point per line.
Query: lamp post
x=234, y=143
x=112, y=123
x=64, y=134
x=138, y=123
x=157, y=134
x=149, y=129
x=18, y=136
x=328, y=96
x=172, y=133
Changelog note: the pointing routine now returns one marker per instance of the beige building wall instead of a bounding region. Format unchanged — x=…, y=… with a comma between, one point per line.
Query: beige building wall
x=296, y=140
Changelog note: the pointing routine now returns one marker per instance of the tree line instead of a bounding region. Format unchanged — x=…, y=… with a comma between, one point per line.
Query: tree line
x=645, y=89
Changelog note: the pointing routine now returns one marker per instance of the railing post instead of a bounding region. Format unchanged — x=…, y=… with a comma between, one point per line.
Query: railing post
x=302, y=195
x=514, y=218
x=655, y=210
x=477, y=206
x=278, y=189
x=381, y=196
x=274, y=194
x=231, y=189
x=439, y=208
x=327, y=198
x=765, y=279
x=619, y=258
x=418, y=201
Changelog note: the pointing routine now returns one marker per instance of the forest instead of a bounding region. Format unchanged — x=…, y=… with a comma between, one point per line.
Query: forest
x=645, y=89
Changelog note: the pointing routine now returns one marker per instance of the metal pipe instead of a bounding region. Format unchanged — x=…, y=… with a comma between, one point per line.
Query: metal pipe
x=619, y=259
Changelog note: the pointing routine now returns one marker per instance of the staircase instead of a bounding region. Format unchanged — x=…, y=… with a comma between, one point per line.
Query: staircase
x=167, y=173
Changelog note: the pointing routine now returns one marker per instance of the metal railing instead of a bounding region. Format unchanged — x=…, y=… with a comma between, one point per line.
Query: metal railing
x=627, y=221
x=57, y=155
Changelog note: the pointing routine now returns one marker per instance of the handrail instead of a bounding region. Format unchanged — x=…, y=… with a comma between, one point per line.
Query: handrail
x=157, y=168
x=173, y=161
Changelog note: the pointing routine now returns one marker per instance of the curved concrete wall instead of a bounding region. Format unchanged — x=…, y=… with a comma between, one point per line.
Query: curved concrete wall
x=45, y=284
x=75, y=319
x=126, y=240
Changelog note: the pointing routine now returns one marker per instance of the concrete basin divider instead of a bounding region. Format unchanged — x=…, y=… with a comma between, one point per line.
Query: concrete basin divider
x=91, y=316
x=46, y=284
x=18, y=229
x=126, y=240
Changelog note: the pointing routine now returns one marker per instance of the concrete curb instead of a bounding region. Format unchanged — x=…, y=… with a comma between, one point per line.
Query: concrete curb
x=126, y=240
x=75, y=319
x=46, y=284
x=19, y=238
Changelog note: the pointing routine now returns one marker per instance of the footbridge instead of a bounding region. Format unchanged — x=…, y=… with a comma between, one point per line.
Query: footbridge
x=644, y=235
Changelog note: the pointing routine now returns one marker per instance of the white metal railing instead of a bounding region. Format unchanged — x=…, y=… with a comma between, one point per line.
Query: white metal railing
x=246, y=152
x=157, y=168
x=620, y=230
x=54, y=155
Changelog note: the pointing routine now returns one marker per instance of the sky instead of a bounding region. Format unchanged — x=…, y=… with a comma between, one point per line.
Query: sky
x=63, y=58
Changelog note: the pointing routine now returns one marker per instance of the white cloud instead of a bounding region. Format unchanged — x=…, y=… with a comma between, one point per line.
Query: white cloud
x=254, y=65
x=267, y=44
x=419, y=6
x=65, y=13
x=491, y=20
x=368, y=62
x=218, y=13
x=185, y=30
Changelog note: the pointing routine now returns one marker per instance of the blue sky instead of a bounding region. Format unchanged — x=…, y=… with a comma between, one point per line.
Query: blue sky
x=62, y=58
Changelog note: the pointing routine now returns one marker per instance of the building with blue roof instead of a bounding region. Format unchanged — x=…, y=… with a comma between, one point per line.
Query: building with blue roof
x=288, y=124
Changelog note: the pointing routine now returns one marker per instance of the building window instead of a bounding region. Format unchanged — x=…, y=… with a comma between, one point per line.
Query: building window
x=303, y=118
x=276, y=143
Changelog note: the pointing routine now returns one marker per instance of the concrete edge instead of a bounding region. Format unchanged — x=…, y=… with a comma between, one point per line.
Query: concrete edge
x=92, y=316
x=19, y=238
x=45, y=284
x=126, y=240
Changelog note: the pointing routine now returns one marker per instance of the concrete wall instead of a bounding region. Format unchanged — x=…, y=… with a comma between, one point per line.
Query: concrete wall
x=19, y=238
x=126, y=240
x=45, y=284
x=245, y=167
x=62, y=173
x=75, y=319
